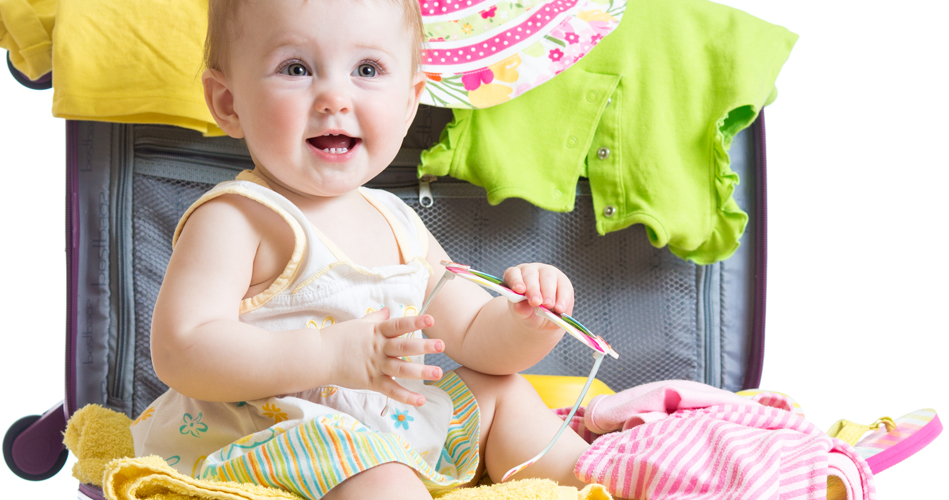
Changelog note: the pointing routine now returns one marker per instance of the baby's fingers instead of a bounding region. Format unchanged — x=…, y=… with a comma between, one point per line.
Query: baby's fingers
x=525, y=279
x=548, y=279
x=393, y=390
x=400, y=326
x=522, y=309
x=398, y=347
x=514, y=279
x=395, y=367
x=565, y=297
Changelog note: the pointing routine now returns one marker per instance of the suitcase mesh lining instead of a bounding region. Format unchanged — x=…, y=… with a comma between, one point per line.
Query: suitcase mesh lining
x=640, y=299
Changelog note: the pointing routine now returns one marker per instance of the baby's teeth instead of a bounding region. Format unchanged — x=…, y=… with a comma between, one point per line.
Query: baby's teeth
x=336, y=151
x=343, y=150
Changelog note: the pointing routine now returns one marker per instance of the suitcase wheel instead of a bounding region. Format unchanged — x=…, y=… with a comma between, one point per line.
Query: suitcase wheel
x=44, y=82
x=35, y=459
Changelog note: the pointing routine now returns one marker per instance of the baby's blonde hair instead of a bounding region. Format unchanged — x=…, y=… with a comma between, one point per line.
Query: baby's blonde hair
x=222, y=30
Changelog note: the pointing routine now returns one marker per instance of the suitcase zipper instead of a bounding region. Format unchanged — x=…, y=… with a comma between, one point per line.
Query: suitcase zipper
x=197, y=157
x=175, y=151
x=393, y=177
x=425, y=197
x=707, y=299
x=125, y=327
x=155, y=148
x=118, y=393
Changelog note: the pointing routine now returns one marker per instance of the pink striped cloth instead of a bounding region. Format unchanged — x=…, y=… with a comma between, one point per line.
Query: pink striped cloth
x=721, y=452
x=655, y=401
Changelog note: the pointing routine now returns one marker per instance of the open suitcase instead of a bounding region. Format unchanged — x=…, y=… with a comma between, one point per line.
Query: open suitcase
x=127, y=186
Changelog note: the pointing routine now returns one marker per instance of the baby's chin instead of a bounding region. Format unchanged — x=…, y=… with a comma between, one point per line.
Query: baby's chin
x=340, y=183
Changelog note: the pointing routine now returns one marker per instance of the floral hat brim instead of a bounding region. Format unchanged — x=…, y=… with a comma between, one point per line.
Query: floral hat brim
x=484, y=52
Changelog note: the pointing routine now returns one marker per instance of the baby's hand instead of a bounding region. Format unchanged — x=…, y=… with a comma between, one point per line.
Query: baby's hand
x=372, y=352
x=542, y=284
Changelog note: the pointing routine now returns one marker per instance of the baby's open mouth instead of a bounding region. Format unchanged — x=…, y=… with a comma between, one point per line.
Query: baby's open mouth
x=333, y=143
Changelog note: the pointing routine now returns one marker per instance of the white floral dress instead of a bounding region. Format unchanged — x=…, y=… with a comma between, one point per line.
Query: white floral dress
x=309, y=442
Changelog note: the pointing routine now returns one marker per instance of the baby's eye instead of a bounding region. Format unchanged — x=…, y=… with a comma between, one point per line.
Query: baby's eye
x=366, y=70
x=295, y=69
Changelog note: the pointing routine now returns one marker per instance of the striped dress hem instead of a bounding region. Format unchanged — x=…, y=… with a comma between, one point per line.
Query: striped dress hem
x=312, y=458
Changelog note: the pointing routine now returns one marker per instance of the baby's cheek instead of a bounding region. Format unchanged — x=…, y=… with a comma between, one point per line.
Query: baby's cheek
x=386, y=124
x=285, y=115
x=277, y=125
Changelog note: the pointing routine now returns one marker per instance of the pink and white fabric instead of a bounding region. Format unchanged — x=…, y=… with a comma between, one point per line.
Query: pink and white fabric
x=737, y=450
x=480, y=53
x=655, y=401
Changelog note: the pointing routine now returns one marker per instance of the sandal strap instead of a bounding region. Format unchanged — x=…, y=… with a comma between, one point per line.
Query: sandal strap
x=851, y=432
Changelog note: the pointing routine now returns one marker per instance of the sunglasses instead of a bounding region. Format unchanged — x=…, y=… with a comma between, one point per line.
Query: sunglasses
x=569, y=324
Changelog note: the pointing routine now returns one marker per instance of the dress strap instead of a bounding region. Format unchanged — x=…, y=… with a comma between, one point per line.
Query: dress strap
x=400, y=237
x=250, y=176
x=248, y=189
x=328, y=243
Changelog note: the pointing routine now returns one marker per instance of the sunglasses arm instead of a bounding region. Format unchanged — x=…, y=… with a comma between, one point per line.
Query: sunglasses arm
x=598, y=358
x=438, y=286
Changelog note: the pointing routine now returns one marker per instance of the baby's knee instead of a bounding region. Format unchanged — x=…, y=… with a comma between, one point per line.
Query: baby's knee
x=390, y=480
x=496, y=385
x=517, y=385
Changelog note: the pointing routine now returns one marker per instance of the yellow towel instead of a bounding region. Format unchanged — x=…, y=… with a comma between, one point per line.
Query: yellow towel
x=528, y=489
x=102, y=443
x=96, y=436
x=150, y=478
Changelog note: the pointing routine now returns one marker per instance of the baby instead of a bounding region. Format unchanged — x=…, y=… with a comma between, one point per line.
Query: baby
x=287, y=325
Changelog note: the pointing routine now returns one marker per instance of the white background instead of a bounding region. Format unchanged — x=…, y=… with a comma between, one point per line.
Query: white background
x=857, y=179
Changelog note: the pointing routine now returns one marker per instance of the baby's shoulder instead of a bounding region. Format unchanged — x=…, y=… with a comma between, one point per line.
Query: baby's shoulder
x=231, y=218
x=231, y=207
x=241, y=229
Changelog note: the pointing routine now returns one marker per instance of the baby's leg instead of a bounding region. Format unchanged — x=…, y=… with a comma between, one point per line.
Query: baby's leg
x=391, y=481
x=516, y=425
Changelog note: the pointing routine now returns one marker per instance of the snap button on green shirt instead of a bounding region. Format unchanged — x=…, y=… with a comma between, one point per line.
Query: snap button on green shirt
x=647, y=116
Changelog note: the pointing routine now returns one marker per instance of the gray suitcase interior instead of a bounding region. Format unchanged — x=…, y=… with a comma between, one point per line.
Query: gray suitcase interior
x=667, y=318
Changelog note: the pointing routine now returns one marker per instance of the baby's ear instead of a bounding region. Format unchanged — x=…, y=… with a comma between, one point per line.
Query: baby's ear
x=220, y=102
x=418, y=85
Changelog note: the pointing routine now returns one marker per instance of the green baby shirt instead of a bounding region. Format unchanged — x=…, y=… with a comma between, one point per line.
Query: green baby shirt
x=648, y=117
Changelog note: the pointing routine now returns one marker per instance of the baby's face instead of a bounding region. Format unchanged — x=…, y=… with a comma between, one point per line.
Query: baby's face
x=324, y=90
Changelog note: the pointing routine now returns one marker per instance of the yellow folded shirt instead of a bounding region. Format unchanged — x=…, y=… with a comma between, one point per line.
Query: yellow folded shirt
x=134, y=61
x=26, y=29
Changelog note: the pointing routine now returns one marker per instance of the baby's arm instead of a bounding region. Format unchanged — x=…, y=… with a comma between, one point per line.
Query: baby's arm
x=202, y=350
x=492, y=335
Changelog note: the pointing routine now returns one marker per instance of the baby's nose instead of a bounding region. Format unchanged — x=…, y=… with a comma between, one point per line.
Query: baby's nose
x=333, y=101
